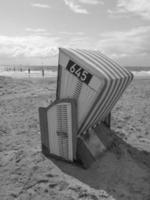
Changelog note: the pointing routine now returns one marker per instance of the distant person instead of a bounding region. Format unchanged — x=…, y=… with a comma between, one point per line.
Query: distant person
x=28, y=70
x=43, y=73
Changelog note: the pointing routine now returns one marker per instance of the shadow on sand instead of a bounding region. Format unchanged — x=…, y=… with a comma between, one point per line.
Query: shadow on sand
x=119, y=171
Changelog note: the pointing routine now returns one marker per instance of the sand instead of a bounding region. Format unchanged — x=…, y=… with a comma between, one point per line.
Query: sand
x=27, y=174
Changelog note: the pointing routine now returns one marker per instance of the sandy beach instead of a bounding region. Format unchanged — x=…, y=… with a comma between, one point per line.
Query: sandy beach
x=27, y=174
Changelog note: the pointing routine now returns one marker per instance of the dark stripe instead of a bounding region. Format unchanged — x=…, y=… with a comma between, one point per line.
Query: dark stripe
x=59, y=82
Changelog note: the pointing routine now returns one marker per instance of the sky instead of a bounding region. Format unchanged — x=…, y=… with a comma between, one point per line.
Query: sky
x=31, y=31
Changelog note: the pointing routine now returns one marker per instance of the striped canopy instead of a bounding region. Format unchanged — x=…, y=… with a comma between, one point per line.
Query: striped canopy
x=108, y=78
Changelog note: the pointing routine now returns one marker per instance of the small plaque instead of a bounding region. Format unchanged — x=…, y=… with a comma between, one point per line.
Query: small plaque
x=79, y=72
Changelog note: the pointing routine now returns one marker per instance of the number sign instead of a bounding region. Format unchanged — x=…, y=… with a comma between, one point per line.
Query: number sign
x=79, y=72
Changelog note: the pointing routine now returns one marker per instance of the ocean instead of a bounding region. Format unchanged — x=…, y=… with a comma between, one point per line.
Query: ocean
x=53, y=74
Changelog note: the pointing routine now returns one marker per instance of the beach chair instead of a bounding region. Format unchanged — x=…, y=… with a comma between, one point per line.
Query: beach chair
x=95, y=83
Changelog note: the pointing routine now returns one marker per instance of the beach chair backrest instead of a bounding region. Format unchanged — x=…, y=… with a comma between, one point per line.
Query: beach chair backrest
x=95, y=81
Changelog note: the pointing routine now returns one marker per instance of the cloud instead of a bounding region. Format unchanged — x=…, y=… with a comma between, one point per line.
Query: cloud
x=116, y=44
x=38, y=5
x=39, y=45
x=134, y=42
x=75, y=7
x=136, y=7
x=91, y=2
x=28, y=46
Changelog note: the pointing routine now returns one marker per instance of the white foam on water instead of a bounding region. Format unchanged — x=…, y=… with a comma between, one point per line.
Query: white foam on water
x=141, y=74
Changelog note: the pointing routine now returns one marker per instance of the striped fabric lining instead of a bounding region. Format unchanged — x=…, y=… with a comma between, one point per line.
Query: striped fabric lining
x=116, y=80
x=114, y=88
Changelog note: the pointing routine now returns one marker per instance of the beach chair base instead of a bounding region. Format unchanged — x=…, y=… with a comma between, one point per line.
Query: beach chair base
x=92, y=145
